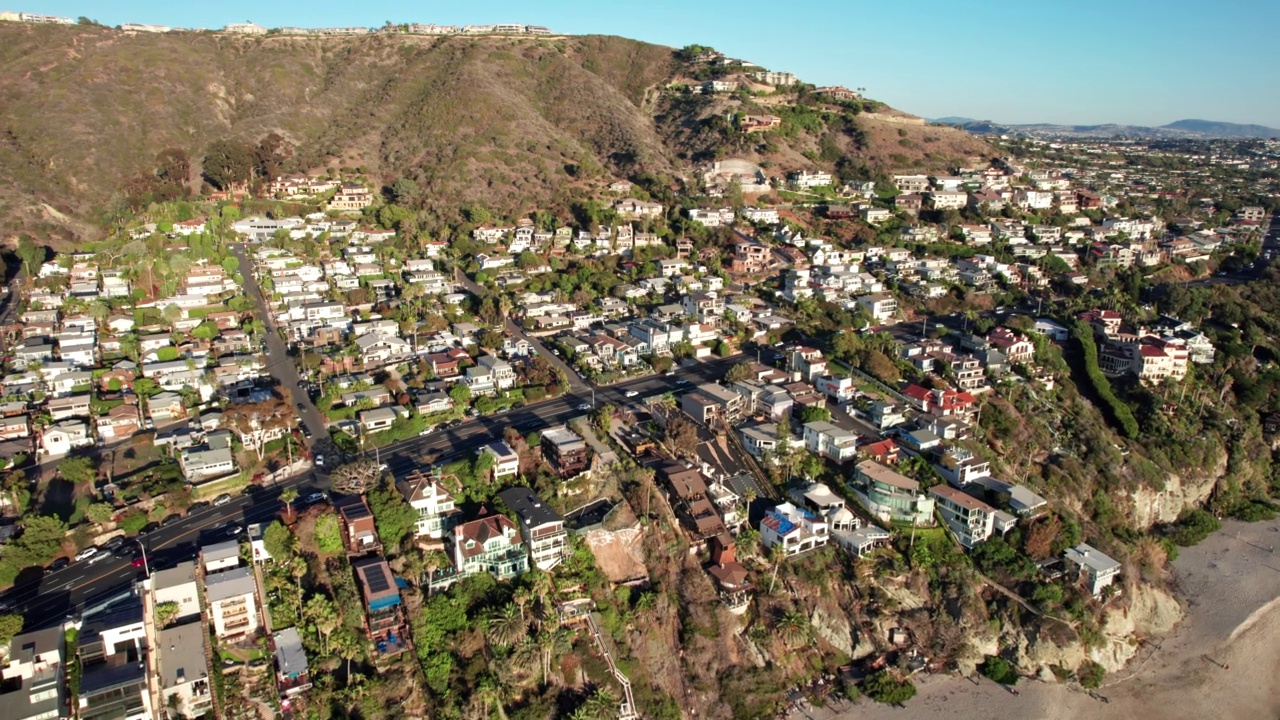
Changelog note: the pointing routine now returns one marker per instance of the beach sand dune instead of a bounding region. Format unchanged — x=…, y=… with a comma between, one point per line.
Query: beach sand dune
x=1222, y=661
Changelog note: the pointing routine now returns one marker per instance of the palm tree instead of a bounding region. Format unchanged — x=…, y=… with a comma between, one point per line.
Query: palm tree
x=491, y=694
x=793, y=628
x=507, y=626
x=322, y=612
x=298, y=569
x=602, y=704
x=287, y=497
x=348, y=646
x=776, y=555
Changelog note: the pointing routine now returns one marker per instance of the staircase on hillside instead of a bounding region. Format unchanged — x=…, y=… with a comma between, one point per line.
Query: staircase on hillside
x=627, y=711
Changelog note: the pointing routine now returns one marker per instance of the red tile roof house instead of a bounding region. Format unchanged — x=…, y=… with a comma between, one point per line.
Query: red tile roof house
x=884, y=452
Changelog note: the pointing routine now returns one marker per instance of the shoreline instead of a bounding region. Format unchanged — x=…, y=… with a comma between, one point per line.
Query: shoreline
x=1220, y=661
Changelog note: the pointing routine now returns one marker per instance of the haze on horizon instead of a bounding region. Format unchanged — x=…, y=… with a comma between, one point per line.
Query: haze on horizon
x=1137, y=62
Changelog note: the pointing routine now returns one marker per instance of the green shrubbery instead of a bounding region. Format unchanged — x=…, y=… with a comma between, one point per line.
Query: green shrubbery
x=1120, y=412
x=999, y=670
x=1193, y=526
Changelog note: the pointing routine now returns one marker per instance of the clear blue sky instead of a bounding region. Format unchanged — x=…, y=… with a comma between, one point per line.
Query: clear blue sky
x=1145, y=62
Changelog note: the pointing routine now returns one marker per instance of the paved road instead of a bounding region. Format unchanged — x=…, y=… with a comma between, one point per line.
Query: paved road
x=49, y=598
x=279, y=364
x=576, y=383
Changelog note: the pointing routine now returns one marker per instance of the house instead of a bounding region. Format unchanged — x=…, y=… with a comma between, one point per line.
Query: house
x=1014, y=346
x=182, y=670
x=794, y=529
x=377, y=419
x=500, y=370
x=710, y=403
x=121, y=421
x=891, y=496
x=232, y=599
x=911, y=183
x=37, y=667
x=109, y=649
x=383, y=620
x=506, y=461
x=1096, y=570
x=490, y=544
x=806, y=179
x=14, y=427
x=178, y=585
x=541, y=527
x=437, y=512
x=692, y=502
x=880, y=306
x=564, y=451
x=760, y=439
x=819, y=498
x=165, y=407
x=63, y=437
x=884, y=451
x=212, y=460
x=826, y=440
x=971, y=520
x=293, y=676
x=220, y=556
x=359, y=535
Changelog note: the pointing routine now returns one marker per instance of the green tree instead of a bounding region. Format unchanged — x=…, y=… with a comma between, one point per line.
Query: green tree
x=812, y=413
x=288, y=496
x=10, y=625
x=165, y=611
x=133, y=522
x=883, y=687
x=740, y=371
x=999, y=670
x=99, y=513
x=279, y=542
x=78, y=470
x=31, y=255
x=146, y=387
x=460, y=394
x=394, y=517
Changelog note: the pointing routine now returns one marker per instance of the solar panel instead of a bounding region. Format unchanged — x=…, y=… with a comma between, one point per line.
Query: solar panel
x=376, y=577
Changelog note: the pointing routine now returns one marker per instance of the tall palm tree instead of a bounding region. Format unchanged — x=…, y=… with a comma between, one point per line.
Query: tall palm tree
x=776, y=556
x=287, y=497
x=491, y=694
x=507, y=626
x=793, y=628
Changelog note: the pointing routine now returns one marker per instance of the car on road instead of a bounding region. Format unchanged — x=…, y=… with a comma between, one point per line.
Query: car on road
x=170, y=520
x=382, y=466
x=670, y=373
x=59, y=563
x=232, y=530
x=425, y=432
x=682, y=381
x=223, y=499
x=306, y=431
x=149, y=527
x=197, y=506
x=584, y=406
x=86, y=553
x=138, y=562
x=98, y=557
x=113, y=543
x=319, y=461
x=301, y=406
x=630, y=393
x=313, y=498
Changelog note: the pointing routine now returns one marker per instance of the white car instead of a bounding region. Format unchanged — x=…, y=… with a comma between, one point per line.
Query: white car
x=584, y=407
x=98, y=557
x=86, y=553
x=630, y=393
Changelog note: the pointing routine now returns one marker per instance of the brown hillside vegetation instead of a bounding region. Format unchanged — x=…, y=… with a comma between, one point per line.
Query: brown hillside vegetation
x=512, y=124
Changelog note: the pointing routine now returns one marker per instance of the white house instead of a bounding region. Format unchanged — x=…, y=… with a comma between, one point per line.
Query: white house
x=971, y=520
x=794, y=529
x=1097, y=570
x=826, y=440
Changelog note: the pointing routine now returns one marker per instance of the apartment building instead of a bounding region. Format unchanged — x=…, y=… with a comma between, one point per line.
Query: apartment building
x=564, y=451
x=182, y=673
x=232, y=598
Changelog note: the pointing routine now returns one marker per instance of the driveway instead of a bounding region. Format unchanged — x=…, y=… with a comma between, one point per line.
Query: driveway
x=278, y=362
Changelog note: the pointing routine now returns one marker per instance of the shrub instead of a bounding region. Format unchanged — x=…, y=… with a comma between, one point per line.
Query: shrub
x=1194, y=526
x=1090, y=674
x=885, y=688
x=999, y=670
x=1120, y=412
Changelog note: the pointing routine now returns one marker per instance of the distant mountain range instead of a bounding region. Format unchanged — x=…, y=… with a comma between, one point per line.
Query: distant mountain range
x=1182, y=129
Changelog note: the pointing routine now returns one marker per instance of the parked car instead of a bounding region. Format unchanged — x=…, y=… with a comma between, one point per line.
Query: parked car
x=320, y=461
x=113, y=543
x=232, y=530
x=98, y=557
x=138, y=562
x=584, y=406
x=59, y=563
x=313, y=498
x=222, y=499
x=170, y=520
x=197, y=506
x=86, y=553
x=630, y=393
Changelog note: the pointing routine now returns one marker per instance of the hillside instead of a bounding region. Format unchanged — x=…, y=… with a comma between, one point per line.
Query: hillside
x=512, y=124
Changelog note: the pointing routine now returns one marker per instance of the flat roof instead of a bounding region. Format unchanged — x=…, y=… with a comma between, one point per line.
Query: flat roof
x=960, y=498
x=231, y=583
x=530, y=508
x=181, y=654
x=180, y=574
x=879, y=473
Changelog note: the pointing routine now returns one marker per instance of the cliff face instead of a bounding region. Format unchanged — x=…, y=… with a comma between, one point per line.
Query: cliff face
x=1149, y=506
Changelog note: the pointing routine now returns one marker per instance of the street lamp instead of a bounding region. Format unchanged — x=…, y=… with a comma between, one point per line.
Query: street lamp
x=146, y=568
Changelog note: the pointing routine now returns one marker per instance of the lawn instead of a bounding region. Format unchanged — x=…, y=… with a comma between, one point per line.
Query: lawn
x=214, y=488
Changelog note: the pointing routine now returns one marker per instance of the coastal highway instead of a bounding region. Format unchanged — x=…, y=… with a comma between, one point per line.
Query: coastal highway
x=48, y=598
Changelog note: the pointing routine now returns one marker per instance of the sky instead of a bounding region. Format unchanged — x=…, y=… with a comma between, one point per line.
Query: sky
x=1136, y=62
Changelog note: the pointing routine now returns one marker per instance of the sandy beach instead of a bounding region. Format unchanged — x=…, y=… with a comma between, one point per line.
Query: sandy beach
x=1221, y=661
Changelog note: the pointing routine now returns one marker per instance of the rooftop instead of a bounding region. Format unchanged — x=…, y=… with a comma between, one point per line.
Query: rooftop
x=227, y=584
x=291, y=660
x=530, y=508
x=180, y=653
x=881, y=474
